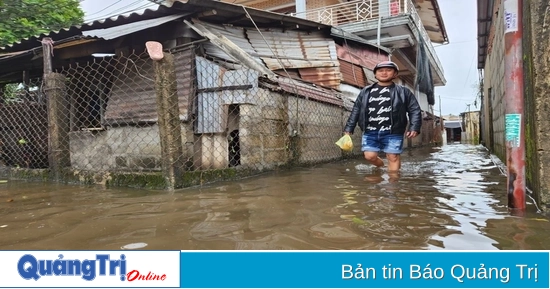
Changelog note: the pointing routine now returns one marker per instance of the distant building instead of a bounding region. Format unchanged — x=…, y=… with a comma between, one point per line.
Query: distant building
x=471, y=127
x=453, y=130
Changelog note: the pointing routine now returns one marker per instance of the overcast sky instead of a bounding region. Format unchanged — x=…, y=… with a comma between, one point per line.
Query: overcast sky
x=458, y=57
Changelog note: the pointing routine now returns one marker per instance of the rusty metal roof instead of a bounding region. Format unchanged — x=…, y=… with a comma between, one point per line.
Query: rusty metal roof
x=353, y=74
x=365, y=56
x=293, y=49
x=306, y=90
x=236, y=35
x=313, y=54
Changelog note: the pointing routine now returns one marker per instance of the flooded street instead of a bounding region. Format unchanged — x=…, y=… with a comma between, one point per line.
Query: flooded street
x=451, y=197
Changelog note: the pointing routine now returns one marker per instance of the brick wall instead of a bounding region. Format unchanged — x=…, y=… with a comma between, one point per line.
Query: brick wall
x=494, y=90
x=278, y=130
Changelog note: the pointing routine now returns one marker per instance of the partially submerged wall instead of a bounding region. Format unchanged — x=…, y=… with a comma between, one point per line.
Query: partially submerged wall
x=494, y=88
x=537, y=103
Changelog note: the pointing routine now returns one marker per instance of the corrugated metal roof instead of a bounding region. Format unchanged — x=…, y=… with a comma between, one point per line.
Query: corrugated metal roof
x=226, y=12
x=313, y=54
x=235, y=34
x=353, y=74
x=229, y=48
x=365, y=56
x=31, y=42
x=484, y=22
x=293, y=49
x=310, y=91
x=133, y=96
x=121, y=30
x=324, y=76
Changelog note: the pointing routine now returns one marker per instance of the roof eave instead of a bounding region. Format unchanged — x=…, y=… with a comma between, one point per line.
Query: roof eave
x=484, y=22
x=440, y=22
x=253, y=12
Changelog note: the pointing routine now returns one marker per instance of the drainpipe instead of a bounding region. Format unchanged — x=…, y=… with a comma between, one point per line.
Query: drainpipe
x=514, y=121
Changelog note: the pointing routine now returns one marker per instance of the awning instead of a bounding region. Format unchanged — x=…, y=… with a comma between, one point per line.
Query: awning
x=453, y=124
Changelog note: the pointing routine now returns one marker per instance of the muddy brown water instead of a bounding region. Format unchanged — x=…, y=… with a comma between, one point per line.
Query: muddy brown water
x=452, y=197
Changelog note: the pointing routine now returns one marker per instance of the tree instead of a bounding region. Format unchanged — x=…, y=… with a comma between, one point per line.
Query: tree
x=21, y=19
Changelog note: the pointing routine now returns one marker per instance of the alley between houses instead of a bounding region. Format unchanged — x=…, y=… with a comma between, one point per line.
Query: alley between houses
x=450, y=197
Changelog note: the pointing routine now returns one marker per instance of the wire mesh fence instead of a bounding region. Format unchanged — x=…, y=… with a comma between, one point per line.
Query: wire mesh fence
x=189, y=112
x=111, y=111
x=23, y=125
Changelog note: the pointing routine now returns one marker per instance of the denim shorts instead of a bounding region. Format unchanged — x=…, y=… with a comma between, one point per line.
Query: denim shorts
x=375, y=141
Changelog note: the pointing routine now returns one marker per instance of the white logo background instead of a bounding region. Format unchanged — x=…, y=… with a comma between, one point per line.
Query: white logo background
x=156, y=262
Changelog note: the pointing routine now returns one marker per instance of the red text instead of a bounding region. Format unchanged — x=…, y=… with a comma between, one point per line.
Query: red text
x=134, y=275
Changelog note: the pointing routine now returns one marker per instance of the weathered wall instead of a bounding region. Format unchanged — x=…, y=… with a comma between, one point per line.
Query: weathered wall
x=536, y=55
x=263, y=131
x=537, y=76
x=494, y=87
x=471, y=127
x=121, y=148
x=319, y=128
x=279, y=130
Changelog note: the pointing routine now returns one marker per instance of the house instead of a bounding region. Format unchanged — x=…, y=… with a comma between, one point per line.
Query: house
x=407, y=27
x=471, y=127
x=531, y=82
x=239, y=90
x=453, y=130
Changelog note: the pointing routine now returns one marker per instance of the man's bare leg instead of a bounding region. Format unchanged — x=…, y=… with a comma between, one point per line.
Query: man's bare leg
x=394, y=162
x=374, y=159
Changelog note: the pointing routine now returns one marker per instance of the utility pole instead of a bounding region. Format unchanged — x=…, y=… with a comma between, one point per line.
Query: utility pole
x=440, y=116
x=441, y=128
x=514, y=121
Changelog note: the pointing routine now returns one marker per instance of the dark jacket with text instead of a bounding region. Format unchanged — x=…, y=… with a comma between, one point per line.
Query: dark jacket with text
x=404, y=104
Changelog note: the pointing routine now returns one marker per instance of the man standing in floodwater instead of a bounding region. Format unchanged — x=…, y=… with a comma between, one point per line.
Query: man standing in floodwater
x=381, y=110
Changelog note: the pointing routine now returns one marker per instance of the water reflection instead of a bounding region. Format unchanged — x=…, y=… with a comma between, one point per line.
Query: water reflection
x=444, y=198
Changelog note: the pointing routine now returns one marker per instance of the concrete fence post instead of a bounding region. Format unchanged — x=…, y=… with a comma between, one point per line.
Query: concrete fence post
x=168, y=115
x=58, y=122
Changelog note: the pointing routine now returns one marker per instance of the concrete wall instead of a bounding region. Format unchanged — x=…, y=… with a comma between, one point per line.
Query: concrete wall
x=494, y=89
x=471, y=127
x=263, y=131
x=536, y=50
x=117, y=148
x=276, y=130
x=279, y=130
x=536, y=58
x=319, y=127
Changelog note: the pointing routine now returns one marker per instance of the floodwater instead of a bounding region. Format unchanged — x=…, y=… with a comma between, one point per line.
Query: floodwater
x=453, y=197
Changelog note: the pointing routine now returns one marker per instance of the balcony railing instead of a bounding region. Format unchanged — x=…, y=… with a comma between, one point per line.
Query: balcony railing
x=370, y=10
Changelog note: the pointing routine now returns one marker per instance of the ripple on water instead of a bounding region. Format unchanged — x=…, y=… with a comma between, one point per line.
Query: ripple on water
x=452, y=197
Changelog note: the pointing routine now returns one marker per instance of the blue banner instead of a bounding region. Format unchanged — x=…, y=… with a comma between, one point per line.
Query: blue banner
x=364, y=269
x=274, y=269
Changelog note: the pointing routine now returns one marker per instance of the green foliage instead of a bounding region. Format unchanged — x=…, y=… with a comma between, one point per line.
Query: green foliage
x=16, y=92
x=20, y=19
